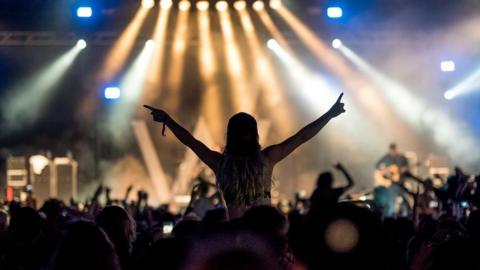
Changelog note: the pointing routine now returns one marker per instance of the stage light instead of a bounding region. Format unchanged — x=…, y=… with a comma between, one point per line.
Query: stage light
x=272, y=44
x=38, y=163
x=469, y=84
x=202, y=5
x=275, y=4
x=334, y=12
x=240, y=5
x=112, y=93
x=258, y=5
x=84, y=12
x=184, y=5
x=81, y=44
x=336, y=43
x=449, y=94
x=150, y=44
x=148, y=4
x=222, y=5
x=166, y=4
x=447, y=66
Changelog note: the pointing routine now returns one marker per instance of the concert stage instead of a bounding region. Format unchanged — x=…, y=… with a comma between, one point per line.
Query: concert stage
x=75, y=75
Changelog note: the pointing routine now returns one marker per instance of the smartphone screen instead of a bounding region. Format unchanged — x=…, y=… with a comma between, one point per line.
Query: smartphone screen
x=167, y=227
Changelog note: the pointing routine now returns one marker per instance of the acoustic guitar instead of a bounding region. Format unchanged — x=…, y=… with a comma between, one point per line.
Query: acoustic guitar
x=388, y=175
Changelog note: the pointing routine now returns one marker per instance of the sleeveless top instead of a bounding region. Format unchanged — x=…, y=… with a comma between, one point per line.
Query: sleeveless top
x=243, y=180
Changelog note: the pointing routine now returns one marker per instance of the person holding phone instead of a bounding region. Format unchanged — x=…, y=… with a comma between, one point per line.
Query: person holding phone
x=244, y=170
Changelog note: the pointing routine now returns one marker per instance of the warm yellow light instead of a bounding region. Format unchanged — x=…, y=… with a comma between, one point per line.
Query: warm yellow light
x=184, y=5
x=148, y=4
x=155, y=69
x=275, y=4
x=258, y=5
x=222, y=5
x=202, y=5
x=178, y=53
x=166, y=4
x=240, y=5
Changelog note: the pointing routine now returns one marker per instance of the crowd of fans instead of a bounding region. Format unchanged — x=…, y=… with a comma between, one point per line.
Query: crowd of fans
x=237, y=227
x=322, y=234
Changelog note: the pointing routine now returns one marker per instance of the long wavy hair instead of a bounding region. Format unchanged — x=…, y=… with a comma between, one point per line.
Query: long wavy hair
x=241, y=174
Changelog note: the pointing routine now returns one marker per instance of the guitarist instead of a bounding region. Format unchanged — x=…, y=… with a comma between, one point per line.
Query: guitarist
x=391, y=169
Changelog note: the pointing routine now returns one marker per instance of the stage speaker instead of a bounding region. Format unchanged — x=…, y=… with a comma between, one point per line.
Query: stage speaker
x=41, y=173
x=17, y=173
x=66, y=178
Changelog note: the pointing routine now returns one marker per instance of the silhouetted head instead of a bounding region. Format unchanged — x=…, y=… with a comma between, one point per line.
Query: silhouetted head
x=428, y=183
x=325, y=180
x=26, y=224
x=120, y=228
x=473, y=224
x=265, y=219
x=392, y=149
x=85, y=246
x=242, y=136
x=3, y=222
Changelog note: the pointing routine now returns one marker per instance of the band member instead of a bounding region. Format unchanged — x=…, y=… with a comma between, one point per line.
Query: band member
x=389, y=180
x=392, y=158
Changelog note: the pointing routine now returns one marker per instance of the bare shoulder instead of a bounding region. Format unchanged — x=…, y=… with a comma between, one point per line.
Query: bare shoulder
x=268, y=155
x=214, y=159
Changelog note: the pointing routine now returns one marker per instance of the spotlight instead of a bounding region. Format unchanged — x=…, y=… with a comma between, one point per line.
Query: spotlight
x=258, y=5
x=166, y=4
x=202, y=5
x=112, y=93
x=148, y=4
x=222, y=5
x=447, y=66
x=334, y=12
x=275, y=4
x=84, y=12
x=336, y=43
x=449, y=95
x=149, y=44
x=81, y=44
x=240, y=5
x=184, y=5
x=272, y=44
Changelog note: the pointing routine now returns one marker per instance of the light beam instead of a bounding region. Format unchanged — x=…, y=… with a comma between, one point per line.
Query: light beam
x=155, y=70
x=449, y=133
x=29, y=99
x=469, y=84
x=242, y=98
x=175, y=72
x=280, y=111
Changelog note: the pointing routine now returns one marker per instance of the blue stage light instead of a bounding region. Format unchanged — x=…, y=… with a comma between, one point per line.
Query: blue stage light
x=112, y=93
x=84, y=12
x=334, y=12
